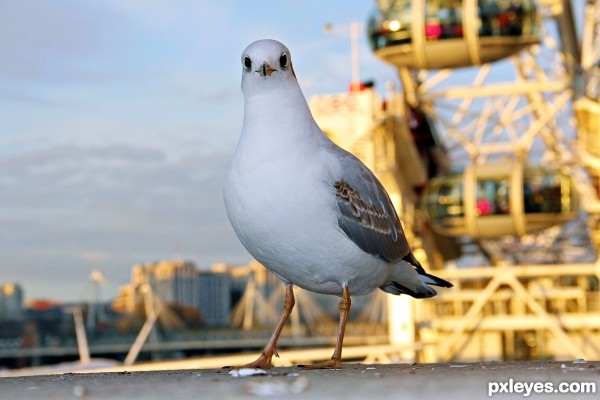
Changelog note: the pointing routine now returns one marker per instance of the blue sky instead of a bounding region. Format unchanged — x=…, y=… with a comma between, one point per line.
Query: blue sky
x=118, y=119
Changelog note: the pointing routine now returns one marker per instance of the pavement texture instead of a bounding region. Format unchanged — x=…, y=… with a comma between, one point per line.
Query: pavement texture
x=354, y=381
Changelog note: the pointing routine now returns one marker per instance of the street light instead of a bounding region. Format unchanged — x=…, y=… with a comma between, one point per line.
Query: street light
x=355, y=62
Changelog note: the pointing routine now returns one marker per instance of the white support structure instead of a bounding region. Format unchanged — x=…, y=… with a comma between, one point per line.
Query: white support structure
x=401, y=326
x=82, y=343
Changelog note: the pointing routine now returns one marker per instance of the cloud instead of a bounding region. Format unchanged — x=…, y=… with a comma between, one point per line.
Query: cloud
x=95, y=256
x=52, y=40
x=114, y=203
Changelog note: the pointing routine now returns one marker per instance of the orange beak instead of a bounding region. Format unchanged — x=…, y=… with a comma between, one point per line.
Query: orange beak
x=265, y=69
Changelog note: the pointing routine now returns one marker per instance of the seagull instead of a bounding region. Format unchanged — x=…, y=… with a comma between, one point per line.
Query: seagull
x=310, y=212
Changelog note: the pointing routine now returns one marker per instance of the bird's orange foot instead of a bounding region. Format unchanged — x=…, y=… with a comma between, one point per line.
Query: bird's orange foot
x=329, y=364
x=262, y=362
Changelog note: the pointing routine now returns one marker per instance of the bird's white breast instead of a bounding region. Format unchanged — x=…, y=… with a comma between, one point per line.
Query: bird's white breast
x=283, y=209
x=272, y=200
x=281, y=202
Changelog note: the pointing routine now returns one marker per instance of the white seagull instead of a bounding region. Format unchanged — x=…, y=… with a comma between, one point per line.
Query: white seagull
x=309, y=211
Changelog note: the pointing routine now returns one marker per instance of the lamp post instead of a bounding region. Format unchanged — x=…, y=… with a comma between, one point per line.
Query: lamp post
x=354, y=28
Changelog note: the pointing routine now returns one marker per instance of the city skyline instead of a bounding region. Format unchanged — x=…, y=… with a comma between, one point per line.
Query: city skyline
x=119, y=121
x=218, y=294
x=96, y=284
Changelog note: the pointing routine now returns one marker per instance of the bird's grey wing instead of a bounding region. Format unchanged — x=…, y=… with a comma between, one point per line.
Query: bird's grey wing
x=366, y=213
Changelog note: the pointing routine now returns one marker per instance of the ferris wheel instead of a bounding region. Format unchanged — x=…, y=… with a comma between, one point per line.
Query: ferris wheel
x=498, y=79
x=502, y=98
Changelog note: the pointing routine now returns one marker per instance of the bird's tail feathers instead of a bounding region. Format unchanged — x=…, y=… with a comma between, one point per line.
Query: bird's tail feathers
x=420, y=291
x=413, y=283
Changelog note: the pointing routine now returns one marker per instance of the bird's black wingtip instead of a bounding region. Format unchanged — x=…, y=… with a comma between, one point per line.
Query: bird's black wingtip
x=434, y=280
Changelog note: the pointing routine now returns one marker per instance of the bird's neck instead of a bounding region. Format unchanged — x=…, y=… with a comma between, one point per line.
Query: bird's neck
x=280, y=122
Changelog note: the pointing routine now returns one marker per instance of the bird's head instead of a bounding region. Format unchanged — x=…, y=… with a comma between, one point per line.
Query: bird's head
x=266, y=66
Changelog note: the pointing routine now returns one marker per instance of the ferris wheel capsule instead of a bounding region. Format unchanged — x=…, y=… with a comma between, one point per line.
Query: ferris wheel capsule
x=449, y=34
x=500, y=198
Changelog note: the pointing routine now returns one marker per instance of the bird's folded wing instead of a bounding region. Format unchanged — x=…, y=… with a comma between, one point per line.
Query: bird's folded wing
x=366, y=213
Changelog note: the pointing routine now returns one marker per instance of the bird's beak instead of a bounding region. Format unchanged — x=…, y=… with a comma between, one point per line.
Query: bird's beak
x=265, y=69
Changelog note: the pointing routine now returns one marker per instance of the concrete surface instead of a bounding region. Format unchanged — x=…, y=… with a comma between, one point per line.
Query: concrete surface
x=353, y=381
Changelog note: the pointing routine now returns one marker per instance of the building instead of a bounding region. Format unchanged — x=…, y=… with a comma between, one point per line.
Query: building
x=180, y=283
x=11, y=301
x=173, y=282
x=215, y=300
x=126, y=300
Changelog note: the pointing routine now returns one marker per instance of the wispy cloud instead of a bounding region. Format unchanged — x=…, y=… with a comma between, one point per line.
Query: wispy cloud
x=115, y=201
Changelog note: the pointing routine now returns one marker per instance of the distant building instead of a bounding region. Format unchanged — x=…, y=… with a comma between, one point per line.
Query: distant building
x=173, y=282
x=214, y=293
x=126, y=300
x=11, y=301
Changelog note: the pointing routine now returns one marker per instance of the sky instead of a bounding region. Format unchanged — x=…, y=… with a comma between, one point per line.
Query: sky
x=118, y=119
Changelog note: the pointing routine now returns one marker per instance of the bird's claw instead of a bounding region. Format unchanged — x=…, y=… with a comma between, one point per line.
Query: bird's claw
x=262, y=362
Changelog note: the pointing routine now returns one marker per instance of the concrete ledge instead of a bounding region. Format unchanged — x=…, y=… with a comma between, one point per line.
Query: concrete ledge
x=354, y=381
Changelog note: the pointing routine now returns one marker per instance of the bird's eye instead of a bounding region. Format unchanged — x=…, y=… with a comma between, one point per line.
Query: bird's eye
x=247, y=63
x=283, y=60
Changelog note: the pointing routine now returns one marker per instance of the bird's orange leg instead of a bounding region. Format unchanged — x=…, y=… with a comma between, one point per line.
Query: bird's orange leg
x=336, y=359
x=264, y=360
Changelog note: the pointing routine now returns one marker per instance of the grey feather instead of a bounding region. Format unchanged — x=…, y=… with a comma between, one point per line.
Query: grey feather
x=366, y=213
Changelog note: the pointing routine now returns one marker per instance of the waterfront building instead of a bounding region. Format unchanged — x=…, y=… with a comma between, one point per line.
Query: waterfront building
x=214, y=295
x=173, y=282
x=126, y=300
x=11, y=301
